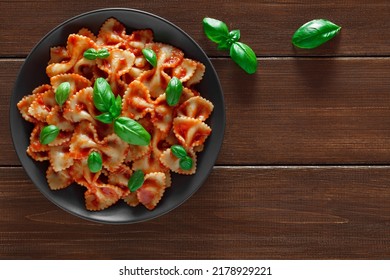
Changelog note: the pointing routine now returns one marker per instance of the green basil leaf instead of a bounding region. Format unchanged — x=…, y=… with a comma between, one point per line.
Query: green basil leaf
x=116, y=107
x=131, y=131
x=234, y=36
x=150, y=56
x=105, y=118
x=216, y=30
x=62, y=93
x=178, y=151
x=95, y=162
x=136, y=180
x=173, y=91
x=102, y=53
x=48, y=134
x=90, y=54
x=244, y=56
x=186, y=163
x=314, y=33
x=102, y=95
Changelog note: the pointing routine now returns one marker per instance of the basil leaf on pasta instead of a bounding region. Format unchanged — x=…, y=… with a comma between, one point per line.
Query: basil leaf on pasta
x=173, y=91
x=95, y=162
x=136, y=180
x=102, y=95
x=62, y=93
x=131, y=131
x=48, y=134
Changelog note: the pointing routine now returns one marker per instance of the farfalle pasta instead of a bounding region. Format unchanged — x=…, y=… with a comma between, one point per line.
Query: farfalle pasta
x=141, y=90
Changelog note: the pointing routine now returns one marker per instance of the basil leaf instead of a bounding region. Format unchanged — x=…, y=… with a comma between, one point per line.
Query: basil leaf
x=131, y=131
x=95, y=162
x=116, y=107
x=150, y=56
x=105, y=118
x=102, y=53
x=178, y=151
x=186, y=163
x=90, y=54
x=62, y=93
x=233, y=37
x=216, y=30
x=314, y=33
x=136, y=180
x=173, y=91
x=244, y=56
x=102, y=95
x=48, y=134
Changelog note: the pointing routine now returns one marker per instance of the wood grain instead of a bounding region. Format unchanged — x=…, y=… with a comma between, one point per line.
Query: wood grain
x=267, y=26
x=245, y=213
x=304, y=168
x=292, y=111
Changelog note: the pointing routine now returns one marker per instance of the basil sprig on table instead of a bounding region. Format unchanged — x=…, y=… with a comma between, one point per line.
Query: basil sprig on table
x=62, y=93
x=173, y=91
x=127, y=129
x=95, y=162
x=218, y=32
x=92, y=54
x=150, y=56
x=136, y=180
x=186, y=161
x=314, y=33
x=48, y=134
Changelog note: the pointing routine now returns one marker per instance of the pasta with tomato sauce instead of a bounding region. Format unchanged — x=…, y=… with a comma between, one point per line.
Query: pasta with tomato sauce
x=143, y=98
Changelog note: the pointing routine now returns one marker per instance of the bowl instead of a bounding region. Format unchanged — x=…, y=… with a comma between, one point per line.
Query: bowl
x=32, y=74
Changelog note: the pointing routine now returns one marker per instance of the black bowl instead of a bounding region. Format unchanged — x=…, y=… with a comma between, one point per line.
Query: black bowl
x=32, y=74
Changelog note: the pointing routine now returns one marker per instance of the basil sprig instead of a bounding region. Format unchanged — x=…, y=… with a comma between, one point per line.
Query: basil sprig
x=136, y=180
x=92, y=54
x=62, y=93
x=218, y=32
x=48, y=134
x=314, y=33
x=95, y=162
x=185, y=161
x=173, y=91
x=127, y=129
x=150, y=56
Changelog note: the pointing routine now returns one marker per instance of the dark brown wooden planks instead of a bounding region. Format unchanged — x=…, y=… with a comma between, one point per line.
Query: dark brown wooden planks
x=292, y=111
x=239, y=213
x=267, y=26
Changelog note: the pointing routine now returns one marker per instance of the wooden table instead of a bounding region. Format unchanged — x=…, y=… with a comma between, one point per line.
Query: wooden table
x=304, y=169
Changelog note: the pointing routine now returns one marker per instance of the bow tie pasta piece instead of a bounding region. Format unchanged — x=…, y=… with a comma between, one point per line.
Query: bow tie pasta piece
x=196, y=107
x=100, y=196
x=136, y=101
x=113, y=151
x=60, y=158
x=80, y=107
x=58, y=55
x=155, y=80
x=42, y=105
x=153, y=188
x=87, y=33
x=76, y=46
x=163, y=114
x=112, y=33
x=58, y=180
x=190, y=132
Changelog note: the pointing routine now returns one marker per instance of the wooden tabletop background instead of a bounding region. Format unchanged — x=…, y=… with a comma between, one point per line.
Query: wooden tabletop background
x=304, y=170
